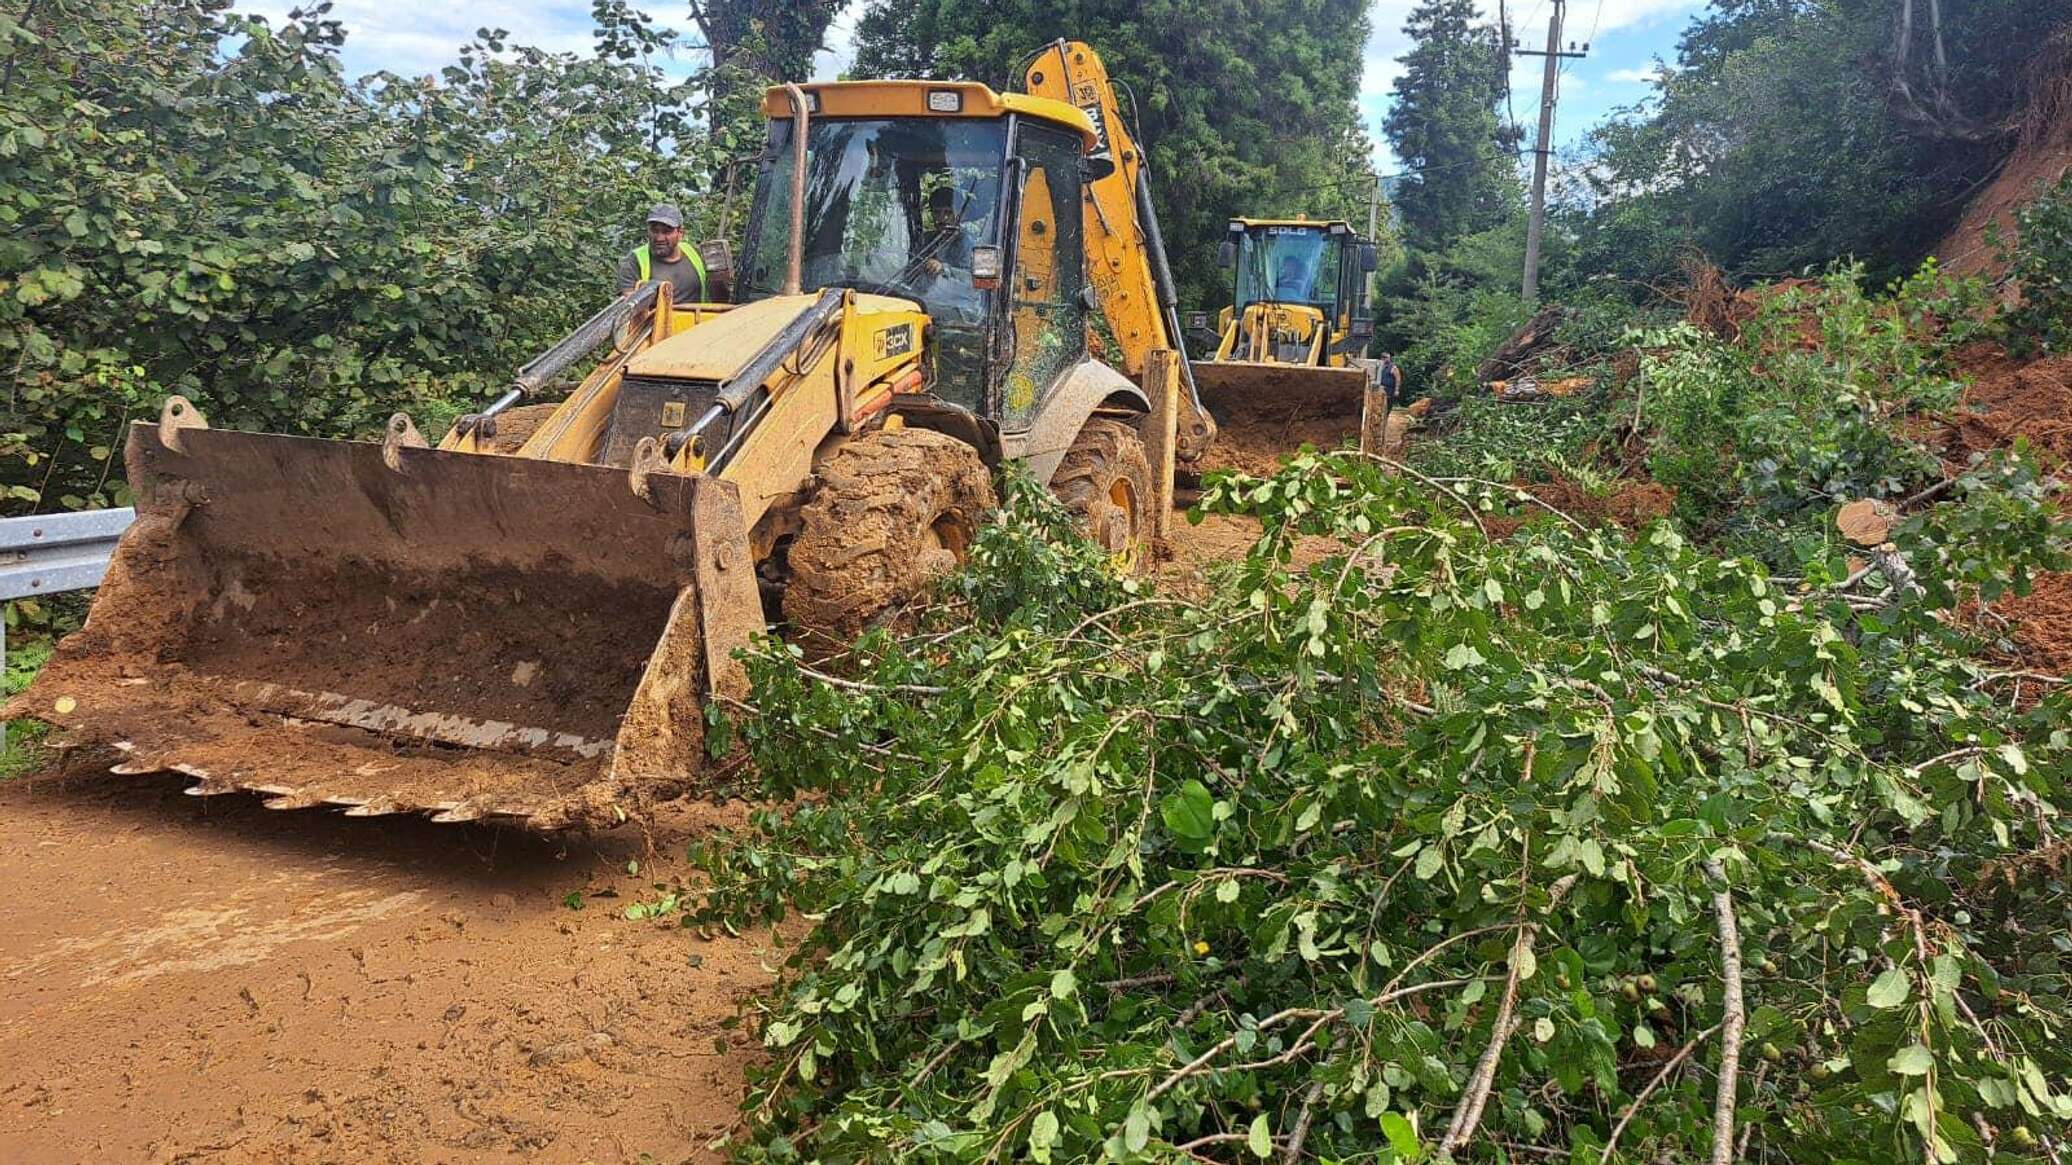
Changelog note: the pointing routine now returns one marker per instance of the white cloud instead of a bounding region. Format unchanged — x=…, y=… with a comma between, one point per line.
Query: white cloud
x=1634, y=76
x=413, y=39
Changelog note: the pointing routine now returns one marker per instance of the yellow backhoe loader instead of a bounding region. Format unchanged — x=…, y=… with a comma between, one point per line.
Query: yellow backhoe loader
x=533, y=627
x=1286, y=359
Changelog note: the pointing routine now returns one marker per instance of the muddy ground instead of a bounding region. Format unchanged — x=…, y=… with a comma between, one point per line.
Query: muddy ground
x=202, y=979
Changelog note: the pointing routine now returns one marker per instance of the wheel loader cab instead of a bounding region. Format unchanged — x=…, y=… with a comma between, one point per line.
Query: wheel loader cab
x=961, y=200
x=1321, y=265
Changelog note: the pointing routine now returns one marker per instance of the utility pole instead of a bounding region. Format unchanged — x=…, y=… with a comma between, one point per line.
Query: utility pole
x=1374, y=206
x=1538, y=222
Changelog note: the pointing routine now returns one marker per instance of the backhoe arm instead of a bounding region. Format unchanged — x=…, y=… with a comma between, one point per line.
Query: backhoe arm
x=1125, y=257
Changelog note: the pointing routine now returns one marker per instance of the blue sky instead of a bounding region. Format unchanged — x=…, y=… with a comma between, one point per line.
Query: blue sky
x=1626, y=37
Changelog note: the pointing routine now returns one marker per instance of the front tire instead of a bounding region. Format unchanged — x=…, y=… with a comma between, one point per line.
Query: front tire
x=895, y=509
x=1105, y=479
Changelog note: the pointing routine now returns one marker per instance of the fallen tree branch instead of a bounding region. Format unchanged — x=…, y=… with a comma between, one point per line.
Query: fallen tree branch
x=1466, y=503
x=1302, y=1044
x=1668, y=1066
x=1293, y=1153
x=860, y=686
x=1469, y=1113
x=1734, y=1018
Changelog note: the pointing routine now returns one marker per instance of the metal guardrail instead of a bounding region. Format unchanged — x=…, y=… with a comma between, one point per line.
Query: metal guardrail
x=49, y=554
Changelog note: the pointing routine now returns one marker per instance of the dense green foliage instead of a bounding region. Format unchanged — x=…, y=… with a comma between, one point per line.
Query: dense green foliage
x=1243, y=107
x=1762, y=436
x=2040, y=261
x=197, y=202
x=1097, y=874
x=1791, y=133
x=1453, y=294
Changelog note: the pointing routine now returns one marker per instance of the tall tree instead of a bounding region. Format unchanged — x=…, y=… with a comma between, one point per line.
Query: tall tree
x=1243, y=106
x=1445, y=128
x=774, y=39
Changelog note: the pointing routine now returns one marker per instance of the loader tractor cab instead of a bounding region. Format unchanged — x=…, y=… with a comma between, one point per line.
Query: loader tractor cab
x=962, y=201
x=1287, y=357
x=1317, y=270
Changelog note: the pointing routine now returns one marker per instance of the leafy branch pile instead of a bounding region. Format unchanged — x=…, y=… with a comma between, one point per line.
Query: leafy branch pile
x=1564, y=842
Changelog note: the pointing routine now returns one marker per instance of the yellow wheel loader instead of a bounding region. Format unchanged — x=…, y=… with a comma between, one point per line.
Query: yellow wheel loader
x=531, y=622
x=1286, y=360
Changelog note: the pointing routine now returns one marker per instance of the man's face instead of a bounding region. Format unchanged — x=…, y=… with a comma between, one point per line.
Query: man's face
x=1291, y=271
x=663, y=240
x=942, y=215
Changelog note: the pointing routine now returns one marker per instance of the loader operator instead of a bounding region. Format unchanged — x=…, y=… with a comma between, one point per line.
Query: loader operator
x=948, y=248
x=946, y=282
x=664, y=259
x=1294, y=282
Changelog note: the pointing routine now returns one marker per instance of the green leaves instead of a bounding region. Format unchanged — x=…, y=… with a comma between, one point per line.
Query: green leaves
x=1889, y=989
x=296, y=251
x=1260, y=1139
x=1187, y=812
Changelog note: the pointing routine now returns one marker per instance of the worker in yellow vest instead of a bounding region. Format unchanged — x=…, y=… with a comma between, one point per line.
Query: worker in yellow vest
x=664, y=259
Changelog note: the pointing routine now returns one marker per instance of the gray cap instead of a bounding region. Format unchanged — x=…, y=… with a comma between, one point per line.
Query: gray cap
x=666, y=214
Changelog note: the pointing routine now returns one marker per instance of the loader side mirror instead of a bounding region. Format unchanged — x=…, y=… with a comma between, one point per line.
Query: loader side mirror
x=1226, y=254
x=1197, y=321
x=985, y=267
x=718, y=255
x=1362, y=329
x=1368, y=259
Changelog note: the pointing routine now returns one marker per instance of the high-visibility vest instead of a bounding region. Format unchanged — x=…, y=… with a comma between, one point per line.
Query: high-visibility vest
x=647, y=264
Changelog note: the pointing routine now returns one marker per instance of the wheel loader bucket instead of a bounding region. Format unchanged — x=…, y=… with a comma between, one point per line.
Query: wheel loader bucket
x=1266, y=411
x=396, y=629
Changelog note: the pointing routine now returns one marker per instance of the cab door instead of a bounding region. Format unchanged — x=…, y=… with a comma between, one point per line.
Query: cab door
x=1045, y=286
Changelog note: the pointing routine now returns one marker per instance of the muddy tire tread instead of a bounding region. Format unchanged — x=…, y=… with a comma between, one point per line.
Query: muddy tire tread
x=1105, y=449
x=864, y=543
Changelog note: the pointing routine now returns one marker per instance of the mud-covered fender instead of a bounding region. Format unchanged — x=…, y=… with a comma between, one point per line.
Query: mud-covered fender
x=1088, y=386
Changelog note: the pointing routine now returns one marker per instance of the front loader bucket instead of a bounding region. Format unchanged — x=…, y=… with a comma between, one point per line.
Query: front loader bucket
x=408, y=630
x=1265, y=412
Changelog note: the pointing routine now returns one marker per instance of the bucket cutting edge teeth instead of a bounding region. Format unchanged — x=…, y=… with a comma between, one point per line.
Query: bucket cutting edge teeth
x=295, y=801
x=378, y=807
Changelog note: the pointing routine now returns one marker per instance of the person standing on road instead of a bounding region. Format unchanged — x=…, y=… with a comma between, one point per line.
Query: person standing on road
x=664, y=259
x=1390, y=378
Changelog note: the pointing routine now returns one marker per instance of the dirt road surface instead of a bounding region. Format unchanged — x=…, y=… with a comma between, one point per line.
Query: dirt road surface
x=203, y=979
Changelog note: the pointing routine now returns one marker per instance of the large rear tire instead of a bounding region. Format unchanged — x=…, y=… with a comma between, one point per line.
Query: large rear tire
x=895, y=509
x=1105, y=478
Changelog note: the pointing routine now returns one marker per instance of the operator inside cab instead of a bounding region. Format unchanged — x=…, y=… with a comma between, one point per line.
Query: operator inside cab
x=946, y=254
x=1293, y=285
x=949, y=245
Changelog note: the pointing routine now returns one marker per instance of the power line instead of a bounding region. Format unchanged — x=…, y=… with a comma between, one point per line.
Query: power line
x=1364, y=179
